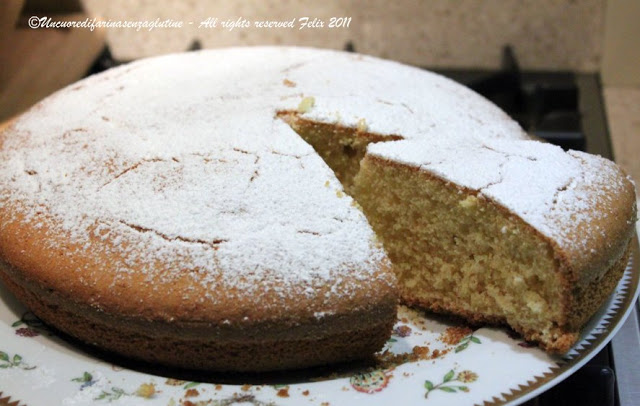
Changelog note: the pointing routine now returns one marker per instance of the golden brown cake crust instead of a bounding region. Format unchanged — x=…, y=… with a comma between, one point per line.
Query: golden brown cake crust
x=254, y=348
x=84, y=297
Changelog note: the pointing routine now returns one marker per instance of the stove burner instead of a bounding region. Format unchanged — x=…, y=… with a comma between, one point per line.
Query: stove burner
x=544, y=103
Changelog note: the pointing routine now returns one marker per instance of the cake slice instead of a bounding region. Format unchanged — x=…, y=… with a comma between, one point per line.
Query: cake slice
x=502, y=231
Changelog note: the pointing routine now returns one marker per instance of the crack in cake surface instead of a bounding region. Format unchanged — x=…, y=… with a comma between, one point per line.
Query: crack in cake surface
x=213, y=244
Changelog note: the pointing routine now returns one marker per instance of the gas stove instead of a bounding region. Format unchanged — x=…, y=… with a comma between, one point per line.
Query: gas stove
x=567, y=109
x=561, y=107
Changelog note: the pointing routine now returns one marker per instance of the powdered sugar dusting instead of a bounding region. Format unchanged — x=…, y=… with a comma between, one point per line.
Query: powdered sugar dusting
x=555, y=192
x=184, y=157
x=393, y=99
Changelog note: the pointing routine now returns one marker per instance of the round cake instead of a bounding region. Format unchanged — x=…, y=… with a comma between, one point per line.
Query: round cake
x=197, y=210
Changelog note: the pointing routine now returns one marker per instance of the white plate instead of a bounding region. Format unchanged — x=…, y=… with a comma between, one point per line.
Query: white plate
x=38, y=368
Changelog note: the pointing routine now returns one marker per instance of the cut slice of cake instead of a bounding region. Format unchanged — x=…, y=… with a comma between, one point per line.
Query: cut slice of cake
x=501, y=231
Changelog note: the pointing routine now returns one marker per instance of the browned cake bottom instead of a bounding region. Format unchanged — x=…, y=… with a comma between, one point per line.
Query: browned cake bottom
x=332, y=339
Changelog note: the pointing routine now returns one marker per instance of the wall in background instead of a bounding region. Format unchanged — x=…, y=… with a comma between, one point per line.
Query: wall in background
x=546, y=34
x=621, y=50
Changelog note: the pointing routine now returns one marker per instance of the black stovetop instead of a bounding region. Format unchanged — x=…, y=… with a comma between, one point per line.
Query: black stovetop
x=562, y=107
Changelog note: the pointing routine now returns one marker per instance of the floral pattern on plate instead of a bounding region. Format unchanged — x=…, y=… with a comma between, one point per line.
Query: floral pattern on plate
x=427, y=360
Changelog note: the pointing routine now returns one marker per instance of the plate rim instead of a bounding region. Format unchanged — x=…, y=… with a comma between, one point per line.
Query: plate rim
x=590, y=347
